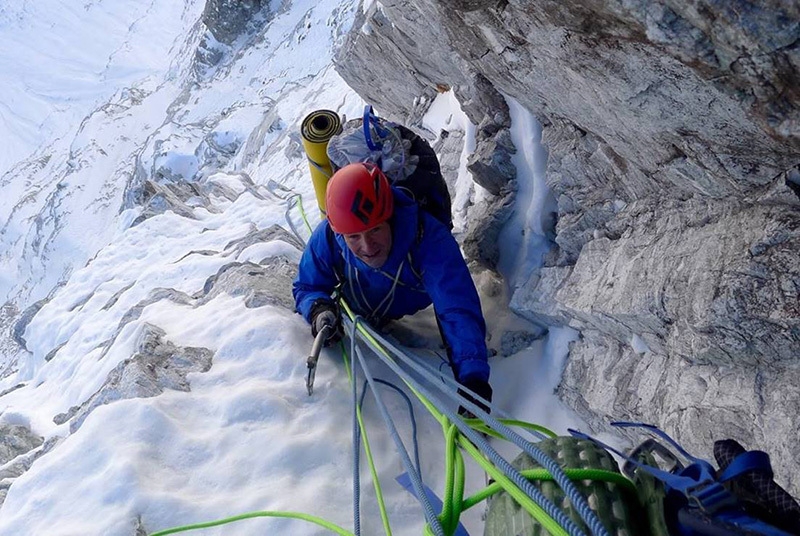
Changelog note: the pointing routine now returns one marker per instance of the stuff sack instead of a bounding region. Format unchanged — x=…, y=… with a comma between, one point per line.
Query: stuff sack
x=407, y=160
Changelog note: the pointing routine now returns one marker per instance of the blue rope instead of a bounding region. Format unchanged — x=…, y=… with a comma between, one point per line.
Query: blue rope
x=410, y=412
x=292, y=202
x=419, y=489
x=455, y=386
x=545, y=461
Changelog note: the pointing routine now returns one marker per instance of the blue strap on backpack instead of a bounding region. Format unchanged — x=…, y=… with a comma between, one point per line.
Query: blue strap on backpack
x=371, y=119
x=696, y=491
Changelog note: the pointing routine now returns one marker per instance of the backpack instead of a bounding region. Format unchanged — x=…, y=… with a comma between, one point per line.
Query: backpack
x=407, y=160
x=695, y=499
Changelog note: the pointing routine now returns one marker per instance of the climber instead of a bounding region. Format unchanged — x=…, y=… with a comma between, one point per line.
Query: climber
x=390, y=258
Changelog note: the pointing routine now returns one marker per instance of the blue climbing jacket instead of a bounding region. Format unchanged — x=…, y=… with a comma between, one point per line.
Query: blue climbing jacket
x=424, y=266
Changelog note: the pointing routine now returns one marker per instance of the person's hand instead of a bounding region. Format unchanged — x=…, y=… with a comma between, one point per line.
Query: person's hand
x=479, y=387
x=325, y=314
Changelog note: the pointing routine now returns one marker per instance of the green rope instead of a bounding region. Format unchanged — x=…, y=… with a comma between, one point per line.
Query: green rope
x=526, y=502
x=303, y=213
x=547, y=522
x=451, y=480
x=250, y=515
x=542, y=475
x=482, y=428
x=454, y=496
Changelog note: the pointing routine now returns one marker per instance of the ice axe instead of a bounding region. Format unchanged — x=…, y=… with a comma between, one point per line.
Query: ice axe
x=319, y=341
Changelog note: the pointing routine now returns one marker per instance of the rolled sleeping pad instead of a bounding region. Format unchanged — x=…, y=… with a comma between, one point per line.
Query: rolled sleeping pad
x=317, y=129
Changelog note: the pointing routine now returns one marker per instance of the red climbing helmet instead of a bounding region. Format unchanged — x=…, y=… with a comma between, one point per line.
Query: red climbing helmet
x=359, y=197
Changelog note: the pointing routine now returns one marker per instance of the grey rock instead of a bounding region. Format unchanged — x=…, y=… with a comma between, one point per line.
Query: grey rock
x=208, y=55
x=673, y=137
x=448, y=150
x=483, y=104
x=403, y=56
x=491, y=167
x=156, y=365
x=536, y=298
x=255, y=236
x=33, y=447
x=11, y=389
x=19, y=464
x=656, y=112
x=117, y=295
x=158, y=198
x=52, y=353
x=179, y=194
x=141, y=530
x=228, y=19
x=11, y=341
x=591, y=184
x=481, y=240
x=267, y=283
x=490, y=163
x=154, y=296
x=24, y=319
x=472, y=5
x=512, y=342
x=708, y=281
x=15, y=440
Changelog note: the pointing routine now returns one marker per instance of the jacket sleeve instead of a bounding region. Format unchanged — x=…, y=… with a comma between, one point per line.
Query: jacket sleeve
x=455, y=300
x=316, y=277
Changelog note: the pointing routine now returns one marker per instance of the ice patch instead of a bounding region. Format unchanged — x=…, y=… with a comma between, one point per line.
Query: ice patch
x=638, y=344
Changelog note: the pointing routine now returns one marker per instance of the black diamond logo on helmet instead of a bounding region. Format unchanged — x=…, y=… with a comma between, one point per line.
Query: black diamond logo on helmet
x=362, y=208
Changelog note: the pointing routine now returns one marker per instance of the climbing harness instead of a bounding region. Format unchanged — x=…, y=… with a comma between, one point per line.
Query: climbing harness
x=383, y=307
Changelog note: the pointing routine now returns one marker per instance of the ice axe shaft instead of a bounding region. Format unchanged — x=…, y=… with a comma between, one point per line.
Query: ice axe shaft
x=319, y=341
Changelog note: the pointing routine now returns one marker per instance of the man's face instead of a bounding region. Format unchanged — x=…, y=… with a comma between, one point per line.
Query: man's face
x=373, y=245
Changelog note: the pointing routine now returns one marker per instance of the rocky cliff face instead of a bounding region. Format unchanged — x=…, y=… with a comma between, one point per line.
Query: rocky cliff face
x=673, y=132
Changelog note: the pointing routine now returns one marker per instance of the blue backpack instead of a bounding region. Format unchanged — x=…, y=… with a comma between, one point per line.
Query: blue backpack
x=739, y=499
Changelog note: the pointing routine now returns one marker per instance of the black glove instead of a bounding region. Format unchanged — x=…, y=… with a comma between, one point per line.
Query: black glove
x=325, y=313
x=479, y=387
